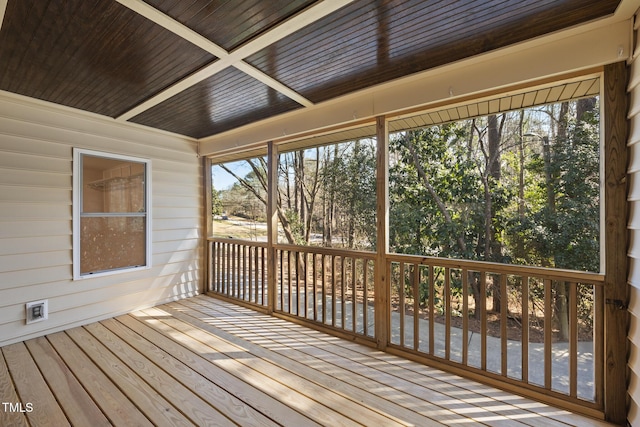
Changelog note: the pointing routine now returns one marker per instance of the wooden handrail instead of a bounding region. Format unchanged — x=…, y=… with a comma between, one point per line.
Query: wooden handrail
x=499, y=268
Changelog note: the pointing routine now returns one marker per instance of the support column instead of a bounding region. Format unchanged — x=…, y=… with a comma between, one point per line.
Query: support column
x=272, y=222
x=382, y=291
x=616, y=292
x=208, y=224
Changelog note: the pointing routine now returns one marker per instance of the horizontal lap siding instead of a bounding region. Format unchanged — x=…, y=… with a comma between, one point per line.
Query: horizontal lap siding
x=633, y=415
x=36, y=153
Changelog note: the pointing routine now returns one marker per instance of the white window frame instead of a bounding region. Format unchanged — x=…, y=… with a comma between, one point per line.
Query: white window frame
x=78, y=153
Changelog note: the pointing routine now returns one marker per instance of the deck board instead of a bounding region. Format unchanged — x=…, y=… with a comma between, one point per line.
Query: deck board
x=203, y=362
x=31, y=387
x=76, y=404
x=9, y=395
x=113, y=403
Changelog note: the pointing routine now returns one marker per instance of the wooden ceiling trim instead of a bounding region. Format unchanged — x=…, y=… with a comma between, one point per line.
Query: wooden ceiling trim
x=3, y=9
x=272, y=83
x=217, y=104
x=227, y=59
x=231, y=24
x=174, y=26
x=174, y=90
x=298, y=22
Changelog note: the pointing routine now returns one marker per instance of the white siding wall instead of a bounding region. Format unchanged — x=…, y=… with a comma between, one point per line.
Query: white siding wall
x=634, y=241
x=36, y=142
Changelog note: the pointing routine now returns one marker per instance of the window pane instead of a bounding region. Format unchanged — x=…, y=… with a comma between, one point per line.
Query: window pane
x=519, y=187
x=112, y=185
x=239, y=197
x=111, y=243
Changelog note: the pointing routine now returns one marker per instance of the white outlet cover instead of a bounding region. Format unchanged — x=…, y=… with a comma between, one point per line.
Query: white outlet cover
x=37, y=311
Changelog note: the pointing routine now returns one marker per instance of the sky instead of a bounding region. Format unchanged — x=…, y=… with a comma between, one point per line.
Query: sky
x=222, y=180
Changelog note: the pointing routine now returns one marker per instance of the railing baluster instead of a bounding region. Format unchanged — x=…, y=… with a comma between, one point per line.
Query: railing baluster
x=503, y=323
x=305, y=282
x=323, y=291
x=401, y=302
x=333, y=290
x=313, y=286
x=243, y=271
x=548, y=328
x=465, y=316
x=525, y=329
x=247, y=273
x=220, y=261
x=234, y=283
x=294, y=284
x=573, y=339
x=289, y=283
x=432, y=300
x=256, y=273
x=447, y=313
x=365, y=297
x=483, y=320
x=281, y=281
x=343, y=282
x=263, y=260
x=416, y=306
x=353, y=295
x=598, y=338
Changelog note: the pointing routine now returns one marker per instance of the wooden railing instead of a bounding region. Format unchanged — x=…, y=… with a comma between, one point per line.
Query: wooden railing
x=539, y=327
x=329, y=286
x=238, y=269
x=533, y=328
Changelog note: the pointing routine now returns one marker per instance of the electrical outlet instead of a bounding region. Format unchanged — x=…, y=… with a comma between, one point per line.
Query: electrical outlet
x=37, y=311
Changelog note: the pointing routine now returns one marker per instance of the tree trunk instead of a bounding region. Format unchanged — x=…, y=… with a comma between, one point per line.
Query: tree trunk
x=493, y=248
x=425, y=180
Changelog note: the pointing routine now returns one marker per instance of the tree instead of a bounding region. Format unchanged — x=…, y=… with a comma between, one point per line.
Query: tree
x=216, y=202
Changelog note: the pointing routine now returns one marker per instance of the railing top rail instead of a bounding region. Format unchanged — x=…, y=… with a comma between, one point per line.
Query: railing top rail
x=327, y=251
x=494, y=267
x=234, y=241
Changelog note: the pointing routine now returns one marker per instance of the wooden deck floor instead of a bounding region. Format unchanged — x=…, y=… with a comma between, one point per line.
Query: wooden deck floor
x=205, y=362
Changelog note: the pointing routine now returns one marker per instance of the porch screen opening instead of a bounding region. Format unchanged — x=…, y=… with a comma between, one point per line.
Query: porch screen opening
x=111, y=215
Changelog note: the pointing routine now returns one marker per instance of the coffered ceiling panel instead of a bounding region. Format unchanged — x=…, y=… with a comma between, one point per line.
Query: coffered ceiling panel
x=229, y=23
x=224, y=101
x=97, y=56
x=373, y=41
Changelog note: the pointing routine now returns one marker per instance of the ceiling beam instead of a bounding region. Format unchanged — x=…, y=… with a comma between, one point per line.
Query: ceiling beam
x=272, y=83
x=290, y=26
x=174, y=26
x=3, y=9
x=227, y=59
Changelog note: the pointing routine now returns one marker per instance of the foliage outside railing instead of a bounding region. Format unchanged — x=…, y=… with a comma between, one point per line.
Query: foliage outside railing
x=479, y=316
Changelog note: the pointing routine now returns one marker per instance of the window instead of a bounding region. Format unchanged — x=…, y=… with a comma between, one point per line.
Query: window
x=111, y=221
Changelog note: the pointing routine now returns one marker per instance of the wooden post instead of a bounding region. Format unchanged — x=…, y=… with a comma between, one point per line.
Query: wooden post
x=272, y=223
x=616, y=292
x=381, y=283
x=208, y=224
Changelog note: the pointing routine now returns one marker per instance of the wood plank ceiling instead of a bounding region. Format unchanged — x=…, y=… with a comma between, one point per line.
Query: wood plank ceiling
x=202, y=67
